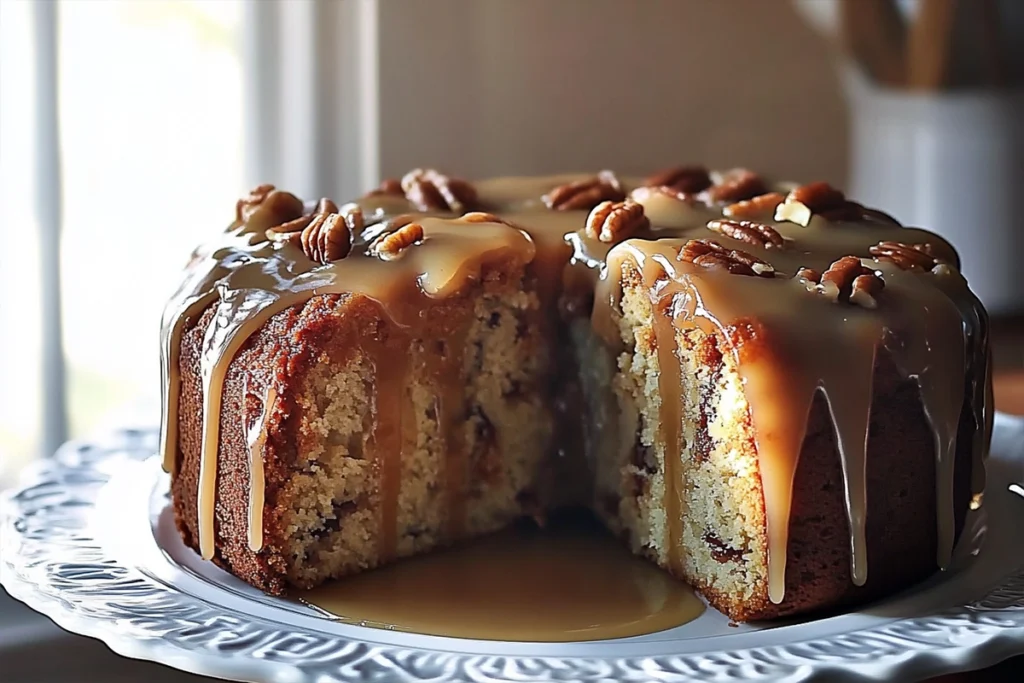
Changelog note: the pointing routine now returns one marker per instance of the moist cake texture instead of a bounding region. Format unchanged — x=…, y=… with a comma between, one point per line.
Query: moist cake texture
x=776, y=394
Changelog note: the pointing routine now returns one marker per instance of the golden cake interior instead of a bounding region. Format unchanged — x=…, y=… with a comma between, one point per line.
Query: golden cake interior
x=688, y=355
x=490, y=416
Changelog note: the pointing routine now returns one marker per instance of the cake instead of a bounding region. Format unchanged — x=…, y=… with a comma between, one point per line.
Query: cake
x=778, y=395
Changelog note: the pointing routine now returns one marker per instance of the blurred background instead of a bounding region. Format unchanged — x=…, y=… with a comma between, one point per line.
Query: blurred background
x=129, y=127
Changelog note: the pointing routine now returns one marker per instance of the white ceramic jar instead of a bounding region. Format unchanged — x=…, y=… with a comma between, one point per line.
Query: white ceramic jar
x=951, y=162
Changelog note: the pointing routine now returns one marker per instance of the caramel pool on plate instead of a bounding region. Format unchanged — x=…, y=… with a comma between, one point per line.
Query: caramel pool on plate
x=568, y=582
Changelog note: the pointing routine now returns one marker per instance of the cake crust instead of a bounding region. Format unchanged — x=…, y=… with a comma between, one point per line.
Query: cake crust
x=278, y=355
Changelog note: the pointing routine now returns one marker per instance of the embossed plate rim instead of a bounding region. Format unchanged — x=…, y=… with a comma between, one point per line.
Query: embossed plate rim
x=59, y=555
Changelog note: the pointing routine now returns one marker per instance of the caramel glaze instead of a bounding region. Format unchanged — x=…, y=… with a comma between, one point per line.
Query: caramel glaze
x=930, y=323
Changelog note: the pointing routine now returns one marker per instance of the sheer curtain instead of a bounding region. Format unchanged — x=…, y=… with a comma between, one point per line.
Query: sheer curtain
x=121, y=146
x=122, y=143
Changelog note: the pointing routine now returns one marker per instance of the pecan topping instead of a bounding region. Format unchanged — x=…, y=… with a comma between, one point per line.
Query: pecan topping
x=713, y=256
x=389, y=186
x=809, y=274
x=754, y=234
x=281, y=206
x=688, y=179
x=482, y=217
x=645, y=192
x=817, y=198
x=248, y=204
x=905, y=256
x=735, y=186
x=393, y=244
x=401, y=220
x=585, y=194
x=847, y=280
x=283, y=230
x=762, y=206
x=430, y=190
x=326, y=234
x=327, y=238
x=612, y=222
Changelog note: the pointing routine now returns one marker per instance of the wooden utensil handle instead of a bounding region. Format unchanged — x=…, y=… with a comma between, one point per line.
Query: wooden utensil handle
x=929, y=43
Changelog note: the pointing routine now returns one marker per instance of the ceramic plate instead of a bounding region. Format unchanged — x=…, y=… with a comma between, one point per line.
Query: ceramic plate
x=89, y=540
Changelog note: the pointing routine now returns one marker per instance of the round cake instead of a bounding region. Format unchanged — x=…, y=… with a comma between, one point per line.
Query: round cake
x=776, y=394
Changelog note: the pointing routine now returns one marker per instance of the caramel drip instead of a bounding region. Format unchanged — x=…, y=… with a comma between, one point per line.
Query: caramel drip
x=447, y=374
x=386, y=441
x=548, y=230
x=220, y=344
x=170, y=390
x=670, y=416
x=170, y=377
x=206, y=267
x=978, y=391
x=256, y=439
x=850, y=408
x=939, y=365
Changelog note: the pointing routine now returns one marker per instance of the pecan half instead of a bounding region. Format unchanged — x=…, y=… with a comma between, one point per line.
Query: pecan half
x=482, y=217
x=248, y=203
x=713, y=256
x=388, y=186
x=584, y=195
x=735, y=186
x=324, y=206
x=645, y=192
x=327, y=238
x=809, y=274
x=393, y=244
x=326, y=234
x=688, y=179
x=400, y=221
x=612, y=222
x=430, y=190
x=803, y=202
x=762, y=206
x=905, y=256
x=846, y=280
x=279, y=205
x=754, y=234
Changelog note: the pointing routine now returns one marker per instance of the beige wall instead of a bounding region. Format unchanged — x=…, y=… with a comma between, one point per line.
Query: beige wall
x=483, y=87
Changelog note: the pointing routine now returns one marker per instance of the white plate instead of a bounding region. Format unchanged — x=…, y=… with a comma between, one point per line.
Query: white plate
x=89, y=541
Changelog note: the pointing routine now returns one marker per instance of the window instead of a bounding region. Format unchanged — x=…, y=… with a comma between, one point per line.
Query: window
x=149, y=98
x=20, y=319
